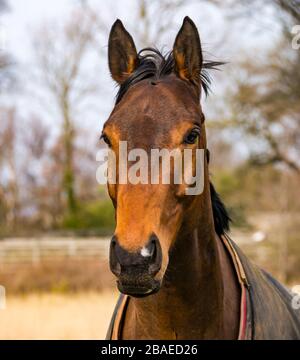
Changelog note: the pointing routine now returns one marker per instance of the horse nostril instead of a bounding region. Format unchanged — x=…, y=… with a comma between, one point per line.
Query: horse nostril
x=114, y=263
x=156, y=255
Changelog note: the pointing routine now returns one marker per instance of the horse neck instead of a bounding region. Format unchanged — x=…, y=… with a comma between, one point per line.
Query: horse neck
x=190, y=303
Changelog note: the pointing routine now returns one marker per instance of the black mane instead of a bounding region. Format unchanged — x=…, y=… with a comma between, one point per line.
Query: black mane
x=221, y=217
x=153, y=64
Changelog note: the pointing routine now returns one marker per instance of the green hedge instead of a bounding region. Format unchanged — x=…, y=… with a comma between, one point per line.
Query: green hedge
x=97, y=216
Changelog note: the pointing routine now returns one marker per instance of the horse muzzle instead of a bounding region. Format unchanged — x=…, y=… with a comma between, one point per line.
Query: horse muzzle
x=135, y=271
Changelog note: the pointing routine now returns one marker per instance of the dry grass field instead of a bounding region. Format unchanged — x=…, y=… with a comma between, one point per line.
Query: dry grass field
x=57, y=316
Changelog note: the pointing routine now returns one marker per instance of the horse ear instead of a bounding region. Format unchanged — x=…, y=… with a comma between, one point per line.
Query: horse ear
x=122, y=54
x=187, y=52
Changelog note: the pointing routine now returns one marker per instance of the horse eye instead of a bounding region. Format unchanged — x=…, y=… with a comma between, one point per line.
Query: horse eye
x=192, y=136
x=105, y=139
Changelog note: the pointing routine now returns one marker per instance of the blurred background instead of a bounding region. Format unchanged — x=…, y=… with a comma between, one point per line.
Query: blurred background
x=56, y=93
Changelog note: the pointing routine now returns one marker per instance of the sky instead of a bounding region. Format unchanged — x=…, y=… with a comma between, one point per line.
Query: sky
x=23, y=16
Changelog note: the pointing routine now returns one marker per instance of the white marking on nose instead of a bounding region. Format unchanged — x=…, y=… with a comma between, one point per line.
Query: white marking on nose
x=145, y=252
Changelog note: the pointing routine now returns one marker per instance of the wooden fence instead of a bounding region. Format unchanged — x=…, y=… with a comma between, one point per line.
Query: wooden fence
x=36, y=250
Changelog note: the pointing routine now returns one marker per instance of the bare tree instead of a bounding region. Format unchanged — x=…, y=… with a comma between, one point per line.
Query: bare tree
x=6, y=62
x=60, y=54
x=265, y=99
x=9, y=187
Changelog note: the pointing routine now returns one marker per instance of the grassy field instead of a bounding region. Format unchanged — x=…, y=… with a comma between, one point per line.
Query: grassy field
x=57, y=316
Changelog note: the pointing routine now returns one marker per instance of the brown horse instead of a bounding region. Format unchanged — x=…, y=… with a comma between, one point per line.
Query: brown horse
x=182, y=276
